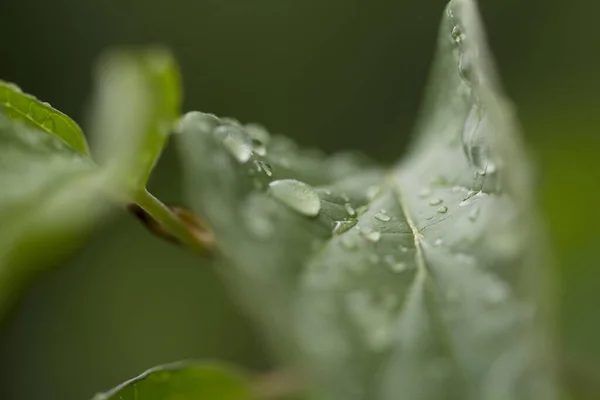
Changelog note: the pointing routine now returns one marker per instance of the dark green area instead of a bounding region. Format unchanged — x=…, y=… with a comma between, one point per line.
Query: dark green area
x=337, y=74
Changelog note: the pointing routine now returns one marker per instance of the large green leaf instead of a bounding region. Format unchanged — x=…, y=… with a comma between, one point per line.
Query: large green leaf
x=137, y=100
x=26, y=108
x=417, y=282
x=51, y=190
x=48, y=199
x=183, y=381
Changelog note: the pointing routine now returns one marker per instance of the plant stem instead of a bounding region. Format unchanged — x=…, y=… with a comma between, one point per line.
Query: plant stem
x=188, y=231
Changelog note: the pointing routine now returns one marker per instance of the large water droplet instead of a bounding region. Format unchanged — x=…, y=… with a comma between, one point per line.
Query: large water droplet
x=351, y=211
x=296, y=195
x=425, y=192
x=442, y=210
x=435, y=202
x=235, y=141
x=343, y=226
x=474, y=140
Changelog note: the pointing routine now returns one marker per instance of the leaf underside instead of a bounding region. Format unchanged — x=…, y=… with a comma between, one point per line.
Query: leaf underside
x=417, y=280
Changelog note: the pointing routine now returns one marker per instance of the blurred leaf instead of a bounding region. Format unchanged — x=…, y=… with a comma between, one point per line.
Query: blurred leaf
x=52, y=191
x=138, y=98
x=48, y=199
x=26, y=108
x=183, y=381
x=420, y=281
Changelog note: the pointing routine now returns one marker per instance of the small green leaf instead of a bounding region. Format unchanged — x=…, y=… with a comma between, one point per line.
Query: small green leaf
x=183, y=381
x=50, y=196
x=418, y=281
x=26, y=108
x=138, y=99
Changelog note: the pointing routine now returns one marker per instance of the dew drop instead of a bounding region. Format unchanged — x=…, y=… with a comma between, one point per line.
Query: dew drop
x=297, y=195
x=474, y=214
x=403, y=249
x=235, y=141
x=362, y=209
x=371, y=236
x=435, y=202
x=382, y=216
x=373, y=192
x=425, y=192
x=258, y=132
x=442, y=210
x=457, y=34
x=263, y=166
x=393, y=264
x=343, y=226
x=497, y=293
x=438, y=242
x=259, y=147
x=374, y=259
x=349, y=242
x=475, y=142
x=351, y=211
x=345, y=197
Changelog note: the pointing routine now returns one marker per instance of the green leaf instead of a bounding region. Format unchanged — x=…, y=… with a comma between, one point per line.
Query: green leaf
x=49, y=198
x=138, y=98
x=52, y=192
x=26, y=108
x=420, y=281
x=183, y=381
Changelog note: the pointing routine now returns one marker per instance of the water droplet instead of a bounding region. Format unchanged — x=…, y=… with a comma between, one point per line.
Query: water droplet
x=438, y=242
x=197, y=121
x=497, y=293
x=263, y=166
x=465, y=68
x=259, y=225
x=394, y=265
x=435, y=202
x=403, y=249
x=362, y=209
x=235, y=141
x=343, y=226
x=371, y=236
x=382, y=216
x=474, y=214
x=349, y=242
x=345, y=197
x=425, y=192
x=475, y=142
x=457, y=34
x=374, y=259
x=259, y=147
x=258, y=132
x=351, y=211
x=296, y=195
x=442, y=210
x=373, y=192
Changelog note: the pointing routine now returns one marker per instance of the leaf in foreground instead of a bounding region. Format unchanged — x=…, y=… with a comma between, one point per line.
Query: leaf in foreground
x=52, y=192
x=182, y=381
x=417, y=281
x=49, y=198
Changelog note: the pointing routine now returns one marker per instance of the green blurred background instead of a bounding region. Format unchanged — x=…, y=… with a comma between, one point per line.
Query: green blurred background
x=329, y=73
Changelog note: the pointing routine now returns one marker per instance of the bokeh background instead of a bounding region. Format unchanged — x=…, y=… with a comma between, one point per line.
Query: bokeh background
x=329, y=73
